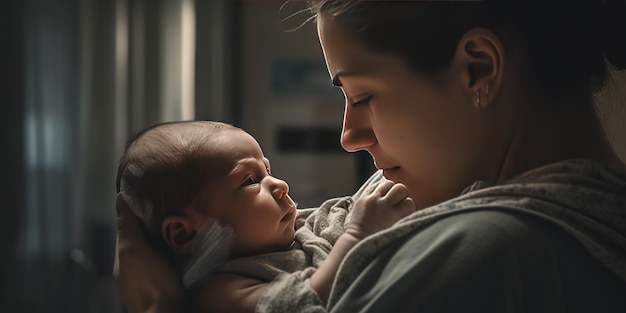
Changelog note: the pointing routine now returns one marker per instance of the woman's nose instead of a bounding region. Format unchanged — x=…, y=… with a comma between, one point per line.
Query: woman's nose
x=278, y=187
x=357, y=133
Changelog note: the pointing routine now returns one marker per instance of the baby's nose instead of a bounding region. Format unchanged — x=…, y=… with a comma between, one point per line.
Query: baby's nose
x=279, y=187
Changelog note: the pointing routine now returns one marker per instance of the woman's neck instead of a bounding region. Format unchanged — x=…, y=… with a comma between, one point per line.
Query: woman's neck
x=545, y=136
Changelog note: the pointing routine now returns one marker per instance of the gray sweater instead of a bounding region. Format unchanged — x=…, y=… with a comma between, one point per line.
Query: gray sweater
x=550, y=240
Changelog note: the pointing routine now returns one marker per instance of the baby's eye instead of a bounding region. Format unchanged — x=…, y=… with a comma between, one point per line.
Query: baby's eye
x=269, y=171
x=249, y=181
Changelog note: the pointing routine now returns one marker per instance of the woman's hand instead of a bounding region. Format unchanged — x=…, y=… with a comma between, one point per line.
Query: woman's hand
x=379, y=207
x=147, y=282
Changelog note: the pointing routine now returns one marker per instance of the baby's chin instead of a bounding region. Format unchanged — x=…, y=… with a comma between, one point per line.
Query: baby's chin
x=289, y=244
x=290, y=237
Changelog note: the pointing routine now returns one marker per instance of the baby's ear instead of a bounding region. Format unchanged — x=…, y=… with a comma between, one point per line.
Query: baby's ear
x=178, y=231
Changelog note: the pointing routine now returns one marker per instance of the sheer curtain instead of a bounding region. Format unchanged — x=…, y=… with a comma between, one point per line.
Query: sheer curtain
x=90, y=73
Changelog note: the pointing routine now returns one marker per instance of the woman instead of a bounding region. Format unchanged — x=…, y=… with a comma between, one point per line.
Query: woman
x=484, y=111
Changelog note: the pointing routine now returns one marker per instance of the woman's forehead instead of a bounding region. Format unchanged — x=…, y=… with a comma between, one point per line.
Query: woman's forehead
x=346, y=57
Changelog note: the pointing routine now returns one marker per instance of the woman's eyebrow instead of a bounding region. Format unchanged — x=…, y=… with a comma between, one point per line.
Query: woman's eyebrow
x=336, y=82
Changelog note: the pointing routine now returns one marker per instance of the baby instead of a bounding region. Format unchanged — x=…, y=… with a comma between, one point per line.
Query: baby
x=206, y=197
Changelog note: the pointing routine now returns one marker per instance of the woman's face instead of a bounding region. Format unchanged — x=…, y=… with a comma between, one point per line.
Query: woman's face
x=421, y=131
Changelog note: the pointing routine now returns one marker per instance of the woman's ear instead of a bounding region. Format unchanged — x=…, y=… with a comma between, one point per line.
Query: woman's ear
x=481, y=56
x=178, y=231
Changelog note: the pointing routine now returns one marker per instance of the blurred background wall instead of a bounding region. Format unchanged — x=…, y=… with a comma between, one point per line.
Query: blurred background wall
x=80, y=76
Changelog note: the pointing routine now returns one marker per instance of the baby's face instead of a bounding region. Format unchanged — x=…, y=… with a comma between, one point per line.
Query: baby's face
x=248, y=199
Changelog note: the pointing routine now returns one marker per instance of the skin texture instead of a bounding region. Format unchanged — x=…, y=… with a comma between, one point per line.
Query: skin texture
x=430, y=133
x=454, y=138
x=262, y=215
x=449, y=137
x=378, y=209
x=258, y=208
x=135, y=265
x=247, y=198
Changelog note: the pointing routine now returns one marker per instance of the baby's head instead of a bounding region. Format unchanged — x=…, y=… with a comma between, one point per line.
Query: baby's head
x=179, y=176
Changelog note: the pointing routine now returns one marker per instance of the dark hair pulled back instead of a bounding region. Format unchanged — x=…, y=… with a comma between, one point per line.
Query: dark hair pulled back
x=565, y=44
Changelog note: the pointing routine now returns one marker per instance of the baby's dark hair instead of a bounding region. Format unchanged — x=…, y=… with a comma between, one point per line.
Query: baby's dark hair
x=163, y=169
x=567, y=45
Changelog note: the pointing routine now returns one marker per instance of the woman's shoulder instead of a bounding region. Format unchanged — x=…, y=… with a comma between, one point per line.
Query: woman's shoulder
x=495, y=230
x=494, y=260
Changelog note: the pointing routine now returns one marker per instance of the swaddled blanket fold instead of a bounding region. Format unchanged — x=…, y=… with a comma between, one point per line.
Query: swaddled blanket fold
x=315, y=236
x=428, y=261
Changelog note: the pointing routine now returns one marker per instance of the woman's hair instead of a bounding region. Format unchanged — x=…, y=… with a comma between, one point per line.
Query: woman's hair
x=566, y=44
x=163, y=170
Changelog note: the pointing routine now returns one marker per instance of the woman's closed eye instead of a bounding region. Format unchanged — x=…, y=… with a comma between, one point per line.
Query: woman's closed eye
x=363, y=101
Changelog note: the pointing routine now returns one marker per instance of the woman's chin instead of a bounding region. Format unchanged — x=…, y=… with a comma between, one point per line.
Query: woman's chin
x=391, y=173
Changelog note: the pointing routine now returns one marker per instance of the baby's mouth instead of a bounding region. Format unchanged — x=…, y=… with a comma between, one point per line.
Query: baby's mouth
x=291, y=211
x=287, y=216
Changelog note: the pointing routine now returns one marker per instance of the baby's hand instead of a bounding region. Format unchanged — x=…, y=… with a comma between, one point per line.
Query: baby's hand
x=380, y=207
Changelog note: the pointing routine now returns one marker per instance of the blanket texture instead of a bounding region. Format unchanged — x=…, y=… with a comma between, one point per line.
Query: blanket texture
x=428, y=261
x=314, y=238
